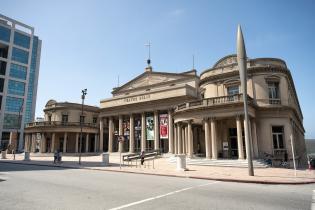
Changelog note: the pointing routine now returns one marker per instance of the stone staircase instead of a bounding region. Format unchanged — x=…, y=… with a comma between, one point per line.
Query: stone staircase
x=221, y=162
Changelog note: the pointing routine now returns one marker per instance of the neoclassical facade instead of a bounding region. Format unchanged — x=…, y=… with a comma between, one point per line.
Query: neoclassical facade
x=61, y=129
x=183, y=113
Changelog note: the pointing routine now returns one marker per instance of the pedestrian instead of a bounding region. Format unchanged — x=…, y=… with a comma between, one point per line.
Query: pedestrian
x=59, y=156
x=55, y=156
x=142, y=157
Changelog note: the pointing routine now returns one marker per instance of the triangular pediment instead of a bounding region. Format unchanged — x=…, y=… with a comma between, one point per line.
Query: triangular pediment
x=148, y=79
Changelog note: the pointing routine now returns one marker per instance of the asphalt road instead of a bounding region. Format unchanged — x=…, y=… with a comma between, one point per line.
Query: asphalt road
x=38, y=187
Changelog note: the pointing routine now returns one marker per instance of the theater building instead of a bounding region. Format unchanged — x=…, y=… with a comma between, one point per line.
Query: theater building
x=183, y=113
x=61, y=129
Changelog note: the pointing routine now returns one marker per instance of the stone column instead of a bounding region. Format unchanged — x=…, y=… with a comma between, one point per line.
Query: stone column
x=53, y=142
x=156, y=130
x=190, y=140
x=179, y=139
x=170, y=133
x=101, y=134
x=95, y=142
x=186, y=140
x=110, y=135
x=77, y=142
x=65, y=142
x=87, y=143
x=254, y=136
x=132, y=134
x=207, y=139
x=120, y=133
x=214, y=139
x=143, y=136
x=33, y=142
x=43, y=143
x=175, y=139
x=239, y=138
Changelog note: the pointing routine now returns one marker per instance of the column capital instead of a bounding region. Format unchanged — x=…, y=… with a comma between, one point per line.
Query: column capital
x=238, y=116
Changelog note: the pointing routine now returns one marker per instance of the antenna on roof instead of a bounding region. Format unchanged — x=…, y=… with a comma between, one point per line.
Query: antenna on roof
x=193, y=61
x=149, y=53
x=118, y=81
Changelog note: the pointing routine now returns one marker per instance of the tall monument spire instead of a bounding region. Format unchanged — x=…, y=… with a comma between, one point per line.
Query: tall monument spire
x=242, y=62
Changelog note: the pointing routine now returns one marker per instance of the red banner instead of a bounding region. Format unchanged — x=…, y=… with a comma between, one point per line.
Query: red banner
x=163, y=126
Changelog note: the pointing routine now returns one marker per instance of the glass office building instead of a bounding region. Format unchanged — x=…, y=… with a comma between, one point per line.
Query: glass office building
x=19, y=67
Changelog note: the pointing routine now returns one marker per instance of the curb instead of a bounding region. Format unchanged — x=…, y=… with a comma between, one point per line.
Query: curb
x=166, y=175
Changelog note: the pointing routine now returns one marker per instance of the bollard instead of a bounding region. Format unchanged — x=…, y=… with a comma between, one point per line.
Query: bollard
x=4, y=154
x=105, y=159
x=181, y=163
x=27, y=156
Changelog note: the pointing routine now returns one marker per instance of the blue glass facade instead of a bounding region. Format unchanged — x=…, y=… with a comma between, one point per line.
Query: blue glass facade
x=18, y=71
x=21, y=40
x=16, y=88
x=11, y=121
x=5, y=34
x=13, y=104
x=31, y=84
x=20, y=55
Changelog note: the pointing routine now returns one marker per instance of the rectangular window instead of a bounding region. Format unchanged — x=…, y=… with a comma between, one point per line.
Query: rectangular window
x=1, y=85
x=20, y=55
x=273, y=88
x=13, y=104
x=21, y=40
x=0, y=101
x=3, y=66
x=277, y=137
x=4, y=50
x=94, y=120
x=64, y=118
x=82, y=118
x=11, y=121
x=49, y=118
x=18, y=71
x=16, y=88
x=232, y=90
x=5, y=34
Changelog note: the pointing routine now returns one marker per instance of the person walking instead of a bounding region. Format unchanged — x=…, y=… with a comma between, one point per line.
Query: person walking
x=55, y=156
x=142, y=157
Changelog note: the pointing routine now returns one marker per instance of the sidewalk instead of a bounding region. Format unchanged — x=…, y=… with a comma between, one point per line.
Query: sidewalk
x=163, y=167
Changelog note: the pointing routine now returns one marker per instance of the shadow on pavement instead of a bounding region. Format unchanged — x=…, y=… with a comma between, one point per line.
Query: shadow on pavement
x=34, y=165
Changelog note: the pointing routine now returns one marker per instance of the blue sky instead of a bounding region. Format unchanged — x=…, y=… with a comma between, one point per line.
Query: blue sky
x=87, y=44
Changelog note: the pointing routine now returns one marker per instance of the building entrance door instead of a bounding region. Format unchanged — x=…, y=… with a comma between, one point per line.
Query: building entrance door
x=233, y=143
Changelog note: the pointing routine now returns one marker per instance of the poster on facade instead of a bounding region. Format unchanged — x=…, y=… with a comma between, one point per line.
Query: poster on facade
x=126, y=127
x=150, y=128
x=138, y=124
x=163, y=126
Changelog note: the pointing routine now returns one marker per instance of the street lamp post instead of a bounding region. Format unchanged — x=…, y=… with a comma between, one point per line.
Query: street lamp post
x=84, y=92
x=241, y=60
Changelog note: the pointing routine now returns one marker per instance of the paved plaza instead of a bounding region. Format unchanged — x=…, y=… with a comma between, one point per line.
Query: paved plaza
x=163, y=166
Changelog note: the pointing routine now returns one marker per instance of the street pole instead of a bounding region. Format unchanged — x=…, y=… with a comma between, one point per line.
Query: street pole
x=81, y=123
x=293, y=155
x=241, y=60
x=17, y=129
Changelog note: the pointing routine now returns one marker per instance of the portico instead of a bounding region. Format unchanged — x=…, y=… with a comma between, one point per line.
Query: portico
x=142, y=109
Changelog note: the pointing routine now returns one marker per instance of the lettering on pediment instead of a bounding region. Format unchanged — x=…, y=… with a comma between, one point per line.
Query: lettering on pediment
x=137, y=98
